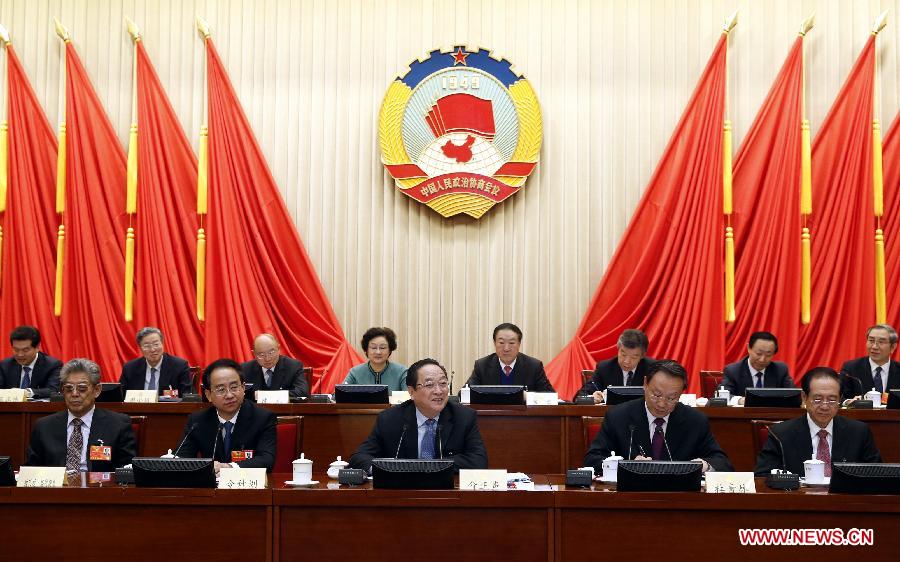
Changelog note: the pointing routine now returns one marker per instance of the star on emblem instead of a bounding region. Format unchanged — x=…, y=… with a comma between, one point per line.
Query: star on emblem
x=459, y=57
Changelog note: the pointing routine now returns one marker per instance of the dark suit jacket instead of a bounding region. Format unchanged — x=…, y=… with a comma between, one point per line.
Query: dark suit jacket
x=460, y=439
x=254, y=430
x=737, y=377
x=174, y=372
x=528, y=371
x=861, y=369
x=48, y=444
x=609, y=373
x=852, y=441
x=687, y=434
x=287, y=375
x=44, y=377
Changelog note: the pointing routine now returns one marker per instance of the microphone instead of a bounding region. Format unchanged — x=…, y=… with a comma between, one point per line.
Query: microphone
x=186, y=435
x=848, y=376
x=773, y=435
x=666, y=443
x=785, y=480
x=440, y=445
x=402, y=434
x=631, y=428
x=216, y=441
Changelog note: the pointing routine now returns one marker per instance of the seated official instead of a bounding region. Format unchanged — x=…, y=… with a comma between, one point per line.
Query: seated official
x=508, y=366
x=427, y=426
x=627, y=368
x=756, y=369
x=876, y=371
x=820, y=433
x=378, y=344
x=273, y=371
x=240, y=433
x=155, y=369
x=658, y=427
x=29, y=367
x=82, y=437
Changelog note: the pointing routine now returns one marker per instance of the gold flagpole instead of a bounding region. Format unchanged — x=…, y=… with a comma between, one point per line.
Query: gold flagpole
x=131, y=179
x=805, y=182
x=878, y=186
x=63, y=34
x=202, y=194
x=727, y=198
x=4, y=147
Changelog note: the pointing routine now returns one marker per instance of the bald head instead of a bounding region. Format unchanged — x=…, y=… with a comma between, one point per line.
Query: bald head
x=266, y=350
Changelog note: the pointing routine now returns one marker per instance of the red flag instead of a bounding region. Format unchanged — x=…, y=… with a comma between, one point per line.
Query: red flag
x=666, y=276
x=93, y=316
x=842, y=225
x=891, y=220
x=766, y=219
x=30, y=220
x=259, y=277
x=165, y=264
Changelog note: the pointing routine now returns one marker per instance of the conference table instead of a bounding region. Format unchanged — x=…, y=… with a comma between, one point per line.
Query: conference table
x=94, y=519
x=531, y=439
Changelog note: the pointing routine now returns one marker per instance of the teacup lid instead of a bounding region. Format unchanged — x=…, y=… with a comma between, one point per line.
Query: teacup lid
x=339, y=462
x=815, y=461
x=302, y=459
x=614, y=457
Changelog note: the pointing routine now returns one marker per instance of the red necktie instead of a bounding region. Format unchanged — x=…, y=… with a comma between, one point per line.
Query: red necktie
x=656, y=446
x=507, y=369
x=822, y=452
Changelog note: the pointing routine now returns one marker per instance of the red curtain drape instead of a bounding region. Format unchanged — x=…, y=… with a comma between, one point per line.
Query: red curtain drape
x=29, y=223
x=890, y=223
x=165, y=226
x=93, y=317
x=666, y=276
x=842, y=225
x=766, y=220
x=259, y=277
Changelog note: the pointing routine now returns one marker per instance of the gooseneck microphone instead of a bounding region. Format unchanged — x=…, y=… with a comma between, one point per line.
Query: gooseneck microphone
x=780, y=446
x=440, y=445
x=402, y=434
x=631, y=429
x=186, y=435
x=216, y=441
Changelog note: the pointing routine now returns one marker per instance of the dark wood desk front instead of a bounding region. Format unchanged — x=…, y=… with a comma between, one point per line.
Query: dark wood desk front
x=534, y=439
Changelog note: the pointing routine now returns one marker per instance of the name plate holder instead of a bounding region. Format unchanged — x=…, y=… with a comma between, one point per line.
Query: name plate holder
x=41, y=477
x=730, y=483
x=141, y=396
x=482, y=480
x=242, y=478
x=272, y=397
x=12, y=395
x=541, y=398
x=399, y=396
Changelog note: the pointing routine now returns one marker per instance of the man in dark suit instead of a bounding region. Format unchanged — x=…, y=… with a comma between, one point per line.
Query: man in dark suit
x=427, y=426
x=155, y=369
x=507, y=365
x=820, y=433
x=82, y=437
x=757, y=369
x=627, y=368
x=658, y=427
x=876, y=371
x=240, y=433
x=29, y=367
x=273, y=371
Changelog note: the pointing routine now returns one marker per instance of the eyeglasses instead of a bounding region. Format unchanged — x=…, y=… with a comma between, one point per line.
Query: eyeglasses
x=268, y=353
x=70, y=388
x=151, y=345
x=878, y=341
x=660, y=398
x=431, y=385
x=233, y=388
x=830, y=402
x=378, y=348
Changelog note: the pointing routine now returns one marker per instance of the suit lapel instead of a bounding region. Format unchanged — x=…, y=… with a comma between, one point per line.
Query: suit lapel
x=410, y=447
x=59, y=430
x=240, y=430
x=839, y=440
x=641, y=431
x=445, y=421
x=747, y=378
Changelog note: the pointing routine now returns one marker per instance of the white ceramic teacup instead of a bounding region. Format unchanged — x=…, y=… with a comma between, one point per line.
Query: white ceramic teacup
x=302, y=470
x=875, y=397
x=611, y=467
x=815, y=471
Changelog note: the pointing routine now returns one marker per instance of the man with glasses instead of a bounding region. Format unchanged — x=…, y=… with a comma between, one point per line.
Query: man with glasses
x=272, y=371
x=29, y=367
x=820, y=433
x=658, y=427
x=233, y=432
x=155, y=369
x=82, y=437
x=876, y=371
x=425, y=427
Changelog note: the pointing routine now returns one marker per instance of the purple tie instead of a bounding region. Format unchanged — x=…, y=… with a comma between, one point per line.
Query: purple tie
x=659, y=439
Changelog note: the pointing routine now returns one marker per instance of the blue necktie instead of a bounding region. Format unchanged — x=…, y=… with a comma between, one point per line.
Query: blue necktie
x=759, y=379
x=427, y=451
x=227, y=441
x=152, y=385
x=26, y=377
x=879, y=382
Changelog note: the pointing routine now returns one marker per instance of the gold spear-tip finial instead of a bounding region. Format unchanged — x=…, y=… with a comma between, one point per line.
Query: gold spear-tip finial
x=808, y=24
x=133, y=29
x=61, y=31
x=730, y=22
x=203, y=27
x=880, y=22
x=4, y=35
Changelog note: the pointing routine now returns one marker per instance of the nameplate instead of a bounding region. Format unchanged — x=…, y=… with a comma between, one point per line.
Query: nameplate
x=141, y=396
x=688, y=400
x=41, y=477
x=272, y=397
x=399, y=396
x=12, y=395
x=541, y=398
x=489, y=480
x=242, y=478
x=730, y=483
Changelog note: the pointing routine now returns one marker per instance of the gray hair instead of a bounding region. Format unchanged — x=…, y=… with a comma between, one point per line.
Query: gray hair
x=148, y=331
x=892, y=333
x=633, y=339
x=80, y=365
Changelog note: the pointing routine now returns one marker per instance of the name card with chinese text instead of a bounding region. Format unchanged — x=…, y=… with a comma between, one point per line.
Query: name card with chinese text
x=541, y=398
x=489, y=480
x=141, y=396
x=41, y=477
x=272, y=397
x=242, y=478
x=730, y=483
x=12, y=395
x=399, y=396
